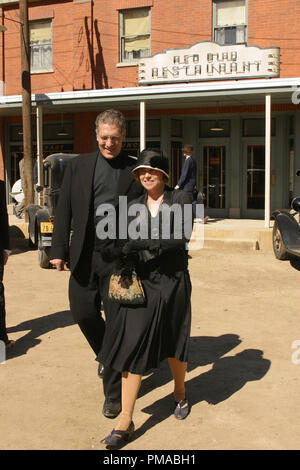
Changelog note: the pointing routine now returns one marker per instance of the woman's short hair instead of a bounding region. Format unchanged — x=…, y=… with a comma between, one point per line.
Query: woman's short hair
x=111, y=116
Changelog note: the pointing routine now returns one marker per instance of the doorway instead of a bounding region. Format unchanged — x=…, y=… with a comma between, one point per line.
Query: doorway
x=176, y=162
x=254, y=181
x=214, y=179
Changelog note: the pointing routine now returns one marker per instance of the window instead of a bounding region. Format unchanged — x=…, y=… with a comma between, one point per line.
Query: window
x=230, y=22
x=256, y=127
x=135, y=34
x=41, y=46
x=152, y=126
x=206, y=128
x=176, y=128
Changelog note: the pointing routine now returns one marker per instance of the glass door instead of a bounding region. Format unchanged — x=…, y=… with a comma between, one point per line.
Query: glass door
x=214, y=177
x=176, y=162
x=254, y=186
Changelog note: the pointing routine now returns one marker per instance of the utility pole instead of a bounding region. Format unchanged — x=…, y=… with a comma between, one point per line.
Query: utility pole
x=26, y=104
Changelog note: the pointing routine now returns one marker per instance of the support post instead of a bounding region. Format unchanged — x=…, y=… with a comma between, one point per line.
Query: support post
x=26, y=104
x=39, y=140
x=267, y=160
x=142, y=125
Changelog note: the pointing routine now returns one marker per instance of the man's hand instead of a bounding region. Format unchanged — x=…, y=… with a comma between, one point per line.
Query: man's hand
x=59, y=264
x=176, y=187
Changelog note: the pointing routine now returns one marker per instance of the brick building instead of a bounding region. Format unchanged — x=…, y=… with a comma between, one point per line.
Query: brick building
x=219, y=74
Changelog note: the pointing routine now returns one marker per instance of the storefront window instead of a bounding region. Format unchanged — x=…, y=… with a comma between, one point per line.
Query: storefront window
x=292, y=125
x=133, y=147
x=292, y=172
x=52, y=143
x=176, y=128
x=255, y=177
x=214, y=171
x=256, y=127
x=152, y=128
x=208, y=128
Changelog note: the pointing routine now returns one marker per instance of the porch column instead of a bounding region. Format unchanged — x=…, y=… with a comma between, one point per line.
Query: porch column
x=39, y=140
x=142, y=125
x=267, y=160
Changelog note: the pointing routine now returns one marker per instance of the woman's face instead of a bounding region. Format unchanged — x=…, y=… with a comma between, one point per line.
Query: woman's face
x=151, y=180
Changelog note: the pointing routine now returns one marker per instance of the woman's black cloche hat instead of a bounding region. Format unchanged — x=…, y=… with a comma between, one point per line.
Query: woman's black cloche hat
x=153, y=159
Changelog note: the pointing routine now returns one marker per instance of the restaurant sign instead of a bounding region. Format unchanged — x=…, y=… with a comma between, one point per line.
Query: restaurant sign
x=209, y=61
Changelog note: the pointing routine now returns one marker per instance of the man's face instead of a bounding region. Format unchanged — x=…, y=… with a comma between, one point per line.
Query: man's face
x=110, y=139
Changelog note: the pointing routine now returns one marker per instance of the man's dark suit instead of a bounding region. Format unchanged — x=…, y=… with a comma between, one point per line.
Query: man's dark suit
x=4, y=244
x=187, y=180
x=89, y=273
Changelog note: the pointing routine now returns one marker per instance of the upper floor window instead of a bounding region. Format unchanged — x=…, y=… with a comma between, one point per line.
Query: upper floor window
x=135, y=34
x=41, y=46
x=230, y=21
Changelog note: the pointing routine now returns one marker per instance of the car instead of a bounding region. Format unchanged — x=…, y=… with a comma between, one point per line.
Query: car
x=286, y=232
x=41, y=218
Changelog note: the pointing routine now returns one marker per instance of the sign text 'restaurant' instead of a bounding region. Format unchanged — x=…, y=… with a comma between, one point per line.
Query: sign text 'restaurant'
x=209, y=61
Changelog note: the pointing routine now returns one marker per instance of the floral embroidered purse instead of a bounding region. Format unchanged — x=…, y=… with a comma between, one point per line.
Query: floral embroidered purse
x=126, y=288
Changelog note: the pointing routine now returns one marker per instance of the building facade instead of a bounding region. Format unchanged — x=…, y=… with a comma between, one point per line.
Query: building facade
x=222, y=75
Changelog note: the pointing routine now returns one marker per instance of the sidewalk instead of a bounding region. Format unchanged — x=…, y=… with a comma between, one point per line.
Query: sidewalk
x=243, y=375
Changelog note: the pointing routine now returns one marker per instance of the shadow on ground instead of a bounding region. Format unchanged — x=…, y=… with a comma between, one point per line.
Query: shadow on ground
x=227, y=375
x=38, y=327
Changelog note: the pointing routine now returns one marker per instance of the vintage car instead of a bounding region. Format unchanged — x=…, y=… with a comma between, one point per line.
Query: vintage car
x=286, y=231
x=41, y=217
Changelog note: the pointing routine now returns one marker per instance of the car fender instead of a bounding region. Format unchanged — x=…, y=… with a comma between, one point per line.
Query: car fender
x=289, y=229
x=32, y=210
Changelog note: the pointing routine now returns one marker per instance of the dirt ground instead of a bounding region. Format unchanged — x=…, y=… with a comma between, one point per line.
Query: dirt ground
x=243, y=375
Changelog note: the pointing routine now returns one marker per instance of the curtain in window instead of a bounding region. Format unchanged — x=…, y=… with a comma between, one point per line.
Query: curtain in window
x=230, y=13
x=136, y=29
x=40, y=32
x=41, y=45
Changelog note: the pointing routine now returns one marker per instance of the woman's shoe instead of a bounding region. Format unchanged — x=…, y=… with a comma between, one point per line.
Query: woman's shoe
x=117, y=438
x=182, y=409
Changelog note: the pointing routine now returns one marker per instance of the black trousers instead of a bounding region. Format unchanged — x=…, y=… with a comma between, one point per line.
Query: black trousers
x=3, y=334
x=86, y=298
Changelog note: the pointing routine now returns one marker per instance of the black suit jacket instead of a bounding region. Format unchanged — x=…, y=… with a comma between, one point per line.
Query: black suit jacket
x=4, y=226
x=76, y=205
x=187, y=180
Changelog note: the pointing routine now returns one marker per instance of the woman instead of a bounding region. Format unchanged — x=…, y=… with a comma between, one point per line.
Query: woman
x=142, y=336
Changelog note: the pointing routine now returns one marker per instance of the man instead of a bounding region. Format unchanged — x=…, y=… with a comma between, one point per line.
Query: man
x=91, y=180
x=4, y=252
x=187, y=180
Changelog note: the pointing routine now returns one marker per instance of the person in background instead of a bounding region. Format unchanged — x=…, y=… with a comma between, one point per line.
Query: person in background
x=188, y=177
x=4, y=252
x=187, y=180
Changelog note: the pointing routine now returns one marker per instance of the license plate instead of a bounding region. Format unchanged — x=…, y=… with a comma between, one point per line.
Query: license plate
x=46, y=227
x=46, y=241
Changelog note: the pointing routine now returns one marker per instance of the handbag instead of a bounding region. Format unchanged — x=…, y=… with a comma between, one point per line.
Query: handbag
x=126, y=288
